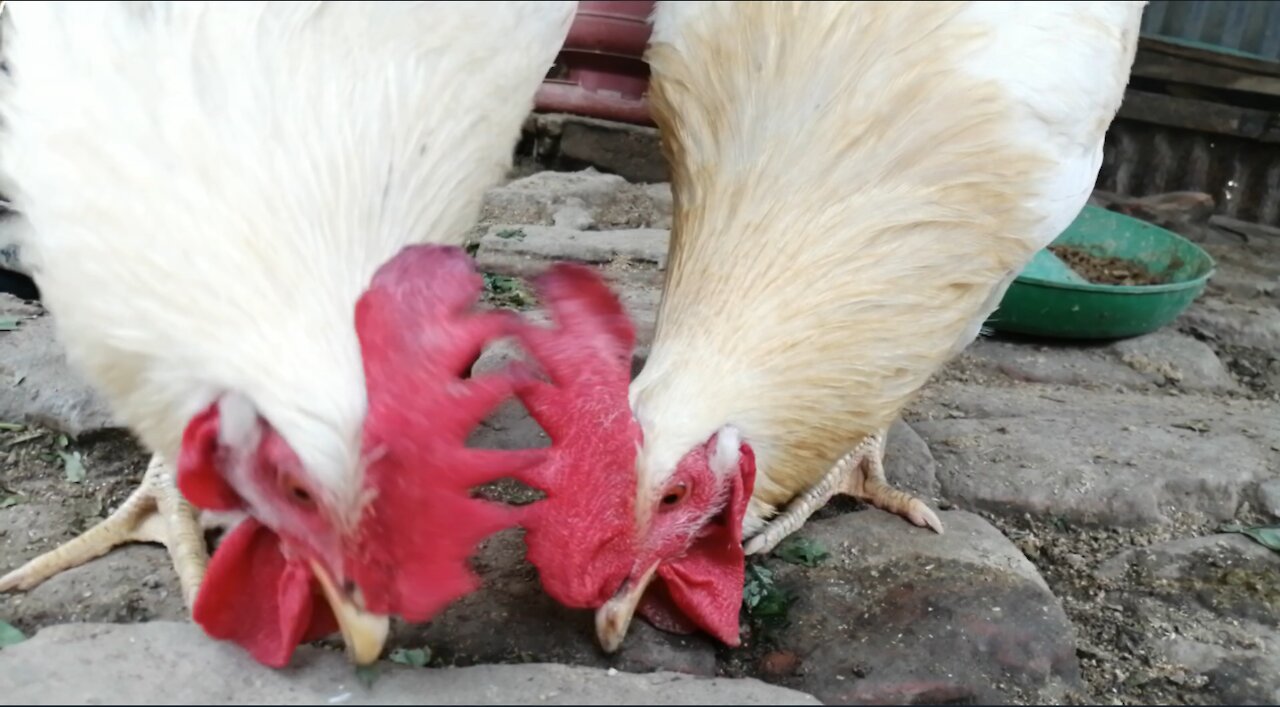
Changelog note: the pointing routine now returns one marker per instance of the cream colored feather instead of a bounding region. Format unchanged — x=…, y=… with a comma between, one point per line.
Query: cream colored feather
x=855, y=184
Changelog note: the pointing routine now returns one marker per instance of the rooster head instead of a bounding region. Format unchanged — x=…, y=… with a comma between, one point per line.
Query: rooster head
x=605, y=538
x=305, y=562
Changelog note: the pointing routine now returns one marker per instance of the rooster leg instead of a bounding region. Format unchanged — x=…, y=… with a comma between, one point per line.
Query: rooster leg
x=866, y=482
x=155, y=512
x=860, y=474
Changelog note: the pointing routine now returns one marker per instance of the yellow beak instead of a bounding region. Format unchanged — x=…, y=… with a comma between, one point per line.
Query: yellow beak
x=614, y=618
x=363, y=633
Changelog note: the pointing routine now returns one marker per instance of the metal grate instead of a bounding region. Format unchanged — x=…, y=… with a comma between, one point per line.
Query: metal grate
x=1232, y=25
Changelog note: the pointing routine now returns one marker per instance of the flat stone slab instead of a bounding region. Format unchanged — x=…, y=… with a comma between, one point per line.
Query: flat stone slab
x=175, y=663
x=632, y=151
x=1212, y=605
x=901, y=615
x=585, y=199
x=36, y=383
x=1253, y=325
x=527, y=250
x=1099, y=457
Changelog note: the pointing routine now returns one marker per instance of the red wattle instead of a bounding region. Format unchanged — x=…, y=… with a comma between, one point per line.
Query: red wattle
x=256, y=597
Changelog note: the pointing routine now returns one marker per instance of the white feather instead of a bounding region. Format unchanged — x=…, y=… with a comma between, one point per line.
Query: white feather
x=210, y=186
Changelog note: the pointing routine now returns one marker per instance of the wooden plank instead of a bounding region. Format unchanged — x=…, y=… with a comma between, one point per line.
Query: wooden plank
x=1211, y=57
x=1166, y=67
x=1204, y=116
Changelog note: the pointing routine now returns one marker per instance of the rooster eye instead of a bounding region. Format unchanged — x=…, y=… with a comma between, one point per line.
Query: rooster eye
x=300, y=495
x=675, y=495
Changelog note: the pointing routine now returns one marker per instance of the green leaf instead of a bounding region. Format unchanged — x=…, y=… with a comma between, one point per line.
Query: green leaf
x=510, y=233
x=1266, y=536
x=416, y=657
x=367, y=674
x=62, y=441
x=72, y=466
x=10, y=501
x=758, y=581
x=10, y=426
x=506, y=291
x=763, y=598
x=773, y=605
x=10, y=636
x=9, y=324
x=802, y=551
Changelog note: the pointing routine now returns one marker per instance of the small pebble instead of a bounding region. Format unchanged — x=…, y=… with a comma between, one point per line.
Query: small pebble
x=1030, y=546
x=779, y=664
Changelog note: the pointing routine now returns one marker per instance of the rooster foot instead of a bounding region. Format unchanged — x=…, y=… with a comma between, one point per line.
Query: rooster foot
x=860, y=474
x=155, y=512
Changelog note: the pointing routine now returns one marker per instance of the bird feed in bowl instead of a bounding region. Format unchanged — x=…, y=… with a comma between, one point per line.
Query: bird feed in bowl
x=1102, y=270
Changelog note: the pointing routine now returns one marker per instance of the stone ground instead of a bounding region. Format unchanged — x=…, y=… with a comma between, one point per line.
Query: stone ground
x=1084, y=489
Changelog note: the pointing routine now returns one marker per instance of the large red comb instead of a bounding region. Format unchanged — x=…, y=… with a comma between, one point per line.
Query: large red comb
x=583, y=536
x=587, y=518
x=419, y=334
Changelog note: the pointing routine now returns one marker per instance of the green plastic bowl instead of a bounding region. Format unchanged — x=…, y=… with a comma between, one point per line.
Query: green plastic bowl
x=1049, y=299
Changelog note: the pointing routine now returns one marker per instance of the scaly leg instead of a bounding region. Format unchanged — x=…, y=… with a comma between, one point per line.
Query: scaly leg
x=155, y=512
x=860, y=474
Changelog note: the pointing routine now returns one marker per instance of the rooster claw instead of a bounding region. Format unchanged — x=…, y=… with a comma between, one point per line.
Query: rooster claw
x=860, y=474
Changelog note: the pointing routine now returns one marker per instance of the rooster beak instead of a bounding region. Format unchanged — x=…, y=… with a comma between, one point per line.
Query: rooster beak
x=363, y=633
x=614, y=618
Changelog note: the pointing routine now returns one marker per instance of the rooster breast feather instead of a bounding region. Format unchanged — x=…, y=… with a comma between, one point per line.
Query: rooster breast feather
x=852, y=183
x=208, y=187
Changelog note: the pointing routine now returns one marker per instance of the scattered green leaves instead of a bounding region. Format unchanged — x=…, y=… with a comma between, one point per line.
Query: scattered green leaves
x=505, y=291
x=8, y=323
x=762, y=597
x=72, y=466
x=801, y=551
x=765, y=604
x=9, y=635
x=1266, y=536
x=758, y=580
x=11, y=426
x=510, y=234
x=416, y=657
x=10, y=501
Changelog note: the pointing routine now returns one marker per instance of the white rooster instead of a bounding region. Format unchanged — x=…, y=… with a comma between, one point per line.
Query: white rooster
x=208, y=188
x=856, y=185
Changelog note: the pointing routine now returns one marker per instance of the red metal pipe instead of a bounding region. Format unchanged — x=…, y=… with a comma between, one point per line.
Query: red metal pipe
x=601, y=71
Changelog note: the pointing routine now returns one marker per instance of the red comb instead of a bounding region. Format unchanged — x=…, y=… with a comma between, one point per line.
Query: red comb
x=419, y=335
x=588, y=475
x=582, y=537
